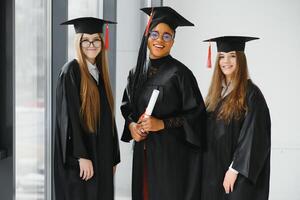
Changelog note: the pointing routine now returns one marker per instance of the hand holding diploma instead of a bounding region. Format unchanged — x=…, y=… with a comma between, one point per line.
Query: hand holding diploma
x=136, y=133
x=152, y=124
x=147, y=122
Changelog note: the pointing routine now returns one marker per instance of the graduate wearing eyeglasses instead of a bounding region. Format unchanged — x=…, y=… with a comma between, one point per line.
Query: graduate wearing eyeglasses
x=86, y=138
x=167, y=144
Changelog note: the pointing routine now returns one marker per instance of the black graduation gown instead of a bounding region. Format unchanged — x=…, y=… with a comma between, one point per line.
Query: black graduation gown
x=174, y=154
x=247, y=143
x=73, y=141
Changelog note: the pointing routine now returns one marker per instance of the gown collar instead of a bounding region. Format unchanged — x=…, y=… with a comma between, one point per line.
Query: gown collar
x=226, y=88
x=160, y=61
x=93, y=70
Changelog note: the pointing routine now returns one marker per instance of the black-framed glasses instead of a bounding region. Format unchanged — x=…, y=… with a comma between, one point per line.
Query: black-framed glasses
x=167, y=37
x=87, y=43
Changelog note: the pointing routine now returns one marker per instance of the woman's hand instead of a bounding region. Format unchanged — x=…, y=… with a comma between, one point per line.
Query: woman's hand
x=229, y=180
x=149, y=123
x=136, y=132
x=86, y=169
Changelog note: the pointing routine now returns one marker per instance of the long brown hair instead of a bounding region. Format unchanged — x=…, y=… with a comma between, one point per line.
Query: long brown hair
x=89, y=95
x=234, y=105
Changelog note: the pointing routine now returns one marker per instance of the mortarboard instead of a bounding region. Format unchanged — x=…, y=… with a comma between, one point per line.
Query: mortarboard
x=231, y=43
x=166, y=15
x=227, y=44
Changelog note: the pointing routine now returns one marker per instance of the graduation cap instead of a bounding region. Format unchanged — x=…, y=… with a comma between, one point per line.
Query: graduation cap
x=90, y=25
x=165, y=14
x=227, y=44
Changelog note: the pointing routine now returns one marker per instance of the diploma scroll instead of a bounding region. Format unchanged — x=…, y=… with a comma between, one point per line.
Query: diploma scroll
x=151, y=104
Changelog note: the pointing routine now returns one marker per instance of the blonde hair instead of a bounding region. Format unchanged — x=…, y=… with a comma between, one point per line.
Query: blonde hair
x=89, y=95
x=234, y=105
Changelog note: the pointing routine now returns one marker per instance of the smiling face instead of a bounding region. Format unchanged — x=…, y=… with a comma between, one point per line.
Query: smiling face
x=91, y=45
x=228, y=64
x=160, y=41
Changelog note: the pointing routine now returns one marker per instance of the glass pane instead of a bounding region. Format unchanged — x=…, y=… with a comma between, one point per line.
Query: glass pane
x=30, y=97
x=80, y=8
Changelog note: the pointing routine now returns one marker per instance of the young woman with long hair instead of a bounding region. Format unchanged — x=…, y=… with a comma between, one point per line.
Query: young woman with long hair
x=237, y=161
x=86, y=140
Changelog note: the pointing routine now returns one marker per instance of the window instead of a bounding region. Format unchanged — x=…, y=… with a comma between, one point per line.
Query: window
x=32, y=58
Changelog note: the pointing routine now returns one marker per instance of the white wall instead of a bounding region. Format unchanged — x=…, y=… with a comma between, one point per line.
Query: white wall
x=273, y=63
x=274, y=66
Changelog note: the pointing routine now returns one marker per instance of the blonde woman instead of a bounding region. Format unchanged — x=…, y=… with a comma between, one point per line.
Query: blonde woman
x=86, y=140
x=237, y=162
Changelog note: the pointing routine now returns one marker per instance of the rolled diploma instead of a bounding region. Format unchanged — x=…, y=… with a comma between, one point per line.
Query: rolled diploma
x=152, y=102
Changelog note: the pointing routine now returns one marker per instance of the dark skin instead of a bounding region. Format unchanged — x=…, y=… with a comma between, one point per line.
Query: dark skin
x=158, y=48
x=140, y=130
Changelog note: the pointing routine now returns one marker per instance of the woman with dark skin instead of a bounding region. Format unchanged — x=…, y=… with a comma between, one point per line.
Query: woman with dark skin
x=236, y=165
x=167, y=145
x=86, y=139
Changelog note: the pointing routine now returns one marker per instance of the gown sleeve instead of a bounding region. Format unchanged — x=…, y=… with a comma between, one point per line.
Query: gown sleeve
x=254, y=141
x=173, y=122
x=70, y=83
x=192, y=117
x=62, y=120
x=116, y=148
x=127, y=111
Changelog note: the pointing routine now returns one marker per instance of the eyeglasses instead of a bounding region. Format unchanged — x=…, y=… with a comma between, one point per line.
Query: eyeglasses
x=87, y=43
x=167, y=37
